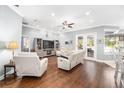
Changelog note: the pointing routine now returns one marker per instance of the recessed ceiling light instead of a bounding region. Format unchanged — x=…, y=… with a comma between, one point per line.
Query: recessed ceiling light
x=87, y=13
x=52, y=14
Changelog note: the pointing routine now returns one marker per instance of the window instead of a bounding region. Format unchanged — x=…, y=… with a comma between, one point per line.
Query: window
x=90, y=41
x=111, y=42
x=25, y=44
x=80, y=42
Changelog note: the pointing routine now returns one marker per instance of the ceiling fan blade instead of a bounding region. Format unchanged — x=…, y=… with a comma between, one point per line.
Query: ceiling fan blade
x=63, y=23
x=71, y=24
x=63, y=28
x=67, y=25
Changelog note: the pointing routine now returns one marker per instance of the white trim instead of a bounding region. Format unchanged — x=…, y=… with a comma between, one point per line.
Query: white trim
x=2, y=77
x=15, y=10
x=98, y=60
x=32, y=27
x=89, y=27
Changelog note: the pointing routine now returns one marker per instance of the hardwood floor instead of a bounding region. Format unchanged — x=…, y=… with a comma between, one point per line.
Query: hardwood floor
x=89, y=75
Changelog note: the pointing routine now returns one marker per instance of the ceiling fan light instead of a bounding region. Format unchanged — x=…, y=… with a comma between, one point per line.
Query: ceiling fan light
x=65, y=26
x=69, y=26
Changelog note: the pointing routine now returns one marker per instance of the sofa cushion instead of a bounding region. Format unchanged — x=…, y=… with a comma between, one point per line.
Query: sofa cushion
x=27, y=54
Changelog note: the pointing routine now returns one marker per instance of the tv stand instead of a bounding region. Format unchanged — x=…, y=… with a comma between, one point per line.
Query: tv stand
x=49, y=52
x=45, y=47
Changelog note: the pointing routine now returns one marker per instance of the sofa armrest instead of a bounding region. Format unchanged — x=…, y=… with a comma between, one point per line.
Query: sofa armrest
x=62, y=59
x=44, y=62
x=63, y=63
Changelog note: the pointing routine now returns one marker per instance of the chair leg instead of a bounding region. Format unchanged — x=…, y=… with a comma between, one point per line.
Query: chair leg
x=116, y=78
x=121, y=80
x=120, y=84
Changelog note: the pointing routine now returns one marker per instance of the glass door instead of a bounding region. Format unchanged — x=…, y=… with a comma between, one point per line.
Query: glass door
x=91, y=46
x=87, y=42
x=79, y=41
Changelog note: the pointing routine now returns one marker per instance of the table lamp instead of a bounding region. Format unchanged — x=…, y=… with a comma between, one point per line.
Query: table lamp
x=13, y=45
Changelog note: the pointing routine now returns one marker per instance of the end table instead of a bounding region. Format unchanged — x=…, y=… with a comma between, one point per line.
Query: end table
x=9, y=65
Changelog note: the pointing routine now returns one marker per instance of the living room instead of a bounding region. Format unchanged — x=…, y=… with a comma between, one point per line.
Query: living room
x=53, y=38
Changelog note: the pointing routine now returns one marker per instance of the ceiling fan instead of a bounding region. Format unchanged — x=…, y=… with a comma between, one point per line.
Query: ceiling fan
x=67, y=25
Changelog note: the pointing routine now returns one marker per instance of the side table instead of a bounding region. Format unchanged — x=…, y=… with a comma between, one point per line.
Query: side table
x=9, y=65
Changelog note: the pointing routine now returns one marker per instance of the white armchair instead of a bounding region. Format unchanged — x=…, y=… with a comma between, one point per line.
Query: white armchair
x=68, y=62
x=30, y=65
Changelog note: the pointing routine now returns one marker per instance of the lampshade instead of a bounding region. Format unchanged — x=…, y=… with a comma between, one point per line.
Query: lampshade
x=13, y=45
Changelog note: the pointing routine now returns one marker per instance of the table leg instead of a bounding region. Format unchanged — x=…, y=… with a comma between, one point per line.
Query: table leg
x=4, y=72
x=14, y=72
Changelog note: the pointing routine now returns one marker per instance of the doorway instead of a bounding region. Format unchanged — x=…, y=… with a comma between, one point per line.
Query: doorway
x=88, y=43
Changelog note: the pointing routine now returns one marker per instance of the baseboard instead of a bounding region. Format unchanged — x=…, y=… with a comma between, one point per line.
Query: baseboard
x=9, y=72
x=91, y=59
x=97, y=60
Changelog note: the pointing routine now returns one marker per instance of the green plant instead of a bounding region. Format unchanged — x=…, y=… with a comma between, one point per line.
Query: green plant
x=80, y=44
x=110, y=43
x=90, y=43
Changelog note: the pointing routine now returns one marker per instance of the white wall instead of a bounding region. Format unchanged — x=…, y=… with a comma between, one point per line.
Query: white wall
x=32, y=33
x=68, y=36
x=10, y=29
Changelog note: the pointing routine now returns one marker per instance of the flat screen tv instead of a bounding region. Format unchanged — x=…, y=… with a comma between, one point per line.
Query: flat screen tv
x=48, y=44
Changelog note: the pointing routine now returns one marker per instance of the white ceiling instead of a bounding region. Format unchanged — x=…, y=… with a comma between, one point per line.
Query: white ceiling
x=84, y=16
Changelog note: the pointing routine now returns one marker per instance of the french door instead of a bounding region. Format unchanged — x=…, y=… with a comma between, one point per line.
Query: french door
x=87, y=42
x=91, y=49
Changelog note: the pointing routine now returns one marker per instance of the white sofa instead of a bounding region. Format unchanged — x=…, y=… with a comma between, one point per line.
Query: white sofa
x=30, y=65
x=68, y=62
x=27, y=54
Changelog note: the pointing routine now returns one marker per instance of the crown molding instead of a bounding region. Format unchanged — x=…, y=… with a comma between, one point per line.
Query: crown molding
x=15, y=10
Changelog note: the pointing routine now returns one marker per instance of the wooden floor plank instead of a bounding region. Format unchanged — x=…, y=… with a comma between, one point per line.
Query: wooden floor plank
x=89, y=75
